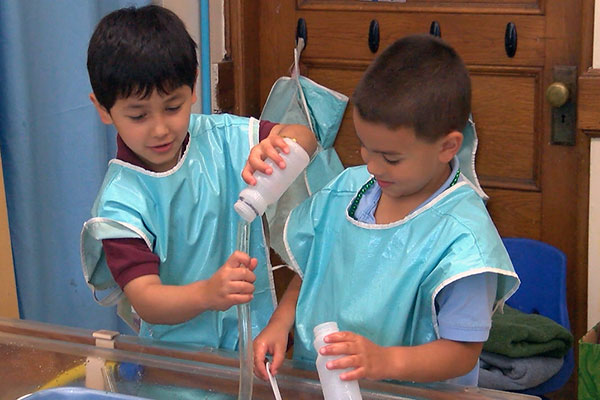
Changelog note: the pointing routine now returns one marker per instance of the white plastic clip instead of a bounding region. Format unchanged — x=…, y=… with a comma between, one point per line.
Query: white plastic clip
x=97, y=375
x=105, y=338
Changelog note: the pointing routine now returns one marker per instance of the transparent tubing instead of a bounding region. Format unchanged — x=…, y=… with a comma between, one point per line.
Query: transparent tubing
x=244, y=326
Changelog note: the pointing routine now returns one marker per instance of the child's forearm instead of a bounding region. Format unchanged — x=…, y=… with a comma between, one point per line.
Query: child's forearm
x=274, y=338
x=431, y=362
x=303, y=136
x=285, y=313
x=165, y=304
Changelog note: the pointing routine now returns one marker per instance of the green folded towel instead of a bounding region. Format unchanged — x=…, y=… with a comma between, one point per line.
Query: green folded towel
x=517, y=334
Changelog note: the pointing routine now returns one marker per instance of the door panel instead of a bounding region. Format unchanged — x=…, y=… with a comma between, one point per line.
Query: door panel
x=479, y=39
x=515, y=213
x=507, y=154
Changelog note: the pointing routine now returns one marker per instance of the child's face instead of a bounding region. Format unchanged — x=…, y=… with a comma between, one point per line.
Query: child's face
x=405, y=167
x=153, y=128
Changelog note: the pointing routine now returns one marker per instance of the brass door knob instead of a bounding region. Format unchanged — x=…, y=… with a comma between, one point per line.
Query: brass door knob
x=557, y=94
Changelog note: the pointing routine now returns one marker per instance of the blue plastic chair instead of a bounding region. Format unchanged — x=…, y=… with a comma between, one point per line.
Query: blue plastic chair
x=542, y=269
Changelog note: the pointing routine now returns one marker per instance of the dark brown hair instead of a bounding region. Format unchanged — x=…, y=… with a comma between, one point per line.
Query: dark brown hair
x=134, y=51
x=418, y=82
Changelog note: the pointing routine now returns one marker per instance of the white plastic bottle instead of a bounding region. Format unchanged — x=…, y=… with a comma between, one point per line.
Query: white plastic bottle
x=333, y=387
x=254, y=200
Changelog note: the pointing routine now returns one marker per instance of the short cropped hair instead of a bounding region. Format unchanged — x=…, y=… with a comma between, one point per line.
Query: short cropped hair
x=134, y=51
x=418, y=82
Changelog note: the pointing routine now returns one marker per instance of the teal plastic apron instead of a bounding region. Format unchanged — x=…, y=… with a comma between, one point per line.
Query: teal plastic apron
x=299, y=100
x=186, y=217
x=380, y=281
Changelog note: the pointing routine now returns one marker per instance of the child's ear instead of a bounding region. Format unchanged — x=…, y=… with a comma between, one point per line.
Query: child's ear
x=102, y=112
x=194, y=94
x=450, y=145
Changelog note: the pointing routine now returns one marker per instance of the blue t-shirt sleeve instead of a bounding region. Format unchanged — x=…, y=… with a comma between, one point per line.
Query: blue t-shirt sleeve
x=464, y=308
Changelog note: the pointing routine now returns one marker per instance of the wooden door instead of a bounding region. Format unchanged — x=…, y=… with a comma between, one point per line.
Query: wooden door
x=537, y=189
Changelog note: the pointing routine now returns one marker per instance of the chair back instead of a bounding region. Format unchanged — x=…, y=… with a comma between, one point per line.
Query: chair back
x=542, y=269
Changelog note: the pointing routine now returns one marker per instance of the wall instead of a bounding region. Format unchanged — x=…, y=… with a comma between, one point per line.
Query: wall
x=217, y=45
x=189, y=12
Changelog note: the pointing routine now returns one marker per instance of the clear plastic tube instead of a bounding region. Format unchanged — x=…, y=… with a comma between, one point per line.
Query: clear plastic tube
x=252, y=202
x=244, y=326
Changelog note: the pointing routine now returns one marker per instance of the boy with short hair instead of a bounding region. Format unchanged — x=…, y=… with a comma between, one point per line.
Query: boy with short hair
x=163, y=222
x=400, y=252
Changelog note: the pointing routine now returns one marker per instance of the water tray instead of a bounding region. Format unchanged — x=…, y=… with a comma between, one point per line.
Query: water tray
x=73, y=393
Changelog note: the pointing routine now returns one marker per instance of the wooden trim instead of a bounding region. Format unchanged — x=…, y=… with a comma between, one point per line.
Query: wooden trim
x=592, y=134
x=242, y=21
x=588, y=101
x=466, y=7
x=8, y=290
x=523, y=185
x=224, y=91
x=583, y=176
x=587, y=35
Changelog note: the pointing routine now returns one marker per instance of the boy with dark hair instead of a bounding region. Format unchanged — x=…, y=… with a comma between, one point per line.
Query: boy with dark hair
x=163, y=222
x=400, y=252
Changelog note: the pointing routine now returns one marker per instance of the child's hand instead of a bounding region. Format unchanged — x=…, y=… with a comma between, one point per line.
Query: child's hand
x=360, y=353
x=272, y=340
x=232, y=283
x=267, y=148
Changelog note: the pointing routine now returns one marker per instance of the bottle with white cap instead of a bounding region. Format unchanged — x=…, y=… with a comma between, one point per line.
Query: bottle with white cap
x=333, y=387
x=253, y=200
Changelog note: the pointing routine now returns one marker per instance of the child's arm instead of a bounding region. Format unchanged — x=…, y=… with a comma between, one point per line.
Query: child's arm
x=273, y=339
x=267, y=148
x=168, y=304
x=434, y=361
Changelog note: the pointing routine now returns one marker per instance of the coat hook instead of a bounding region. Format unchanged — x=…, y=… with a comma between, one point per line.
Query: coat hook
x=374, y=36
x=301, y=30
x=435, y=29
x=510, y=39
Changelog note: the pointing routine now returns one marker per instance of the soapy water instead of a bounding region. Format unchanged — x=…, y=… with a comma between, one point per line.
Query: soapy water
x=244, y=326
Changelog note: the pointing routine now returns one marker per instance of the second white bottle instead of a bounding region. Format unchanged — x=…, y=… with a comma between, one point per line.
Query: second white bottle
x=333, y=387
